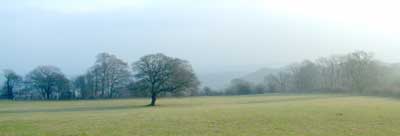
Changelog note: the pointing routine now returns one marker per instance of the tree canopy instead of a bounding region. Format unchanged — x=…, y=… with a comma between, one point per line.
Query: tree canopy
x=48, y=79
x=158, y=73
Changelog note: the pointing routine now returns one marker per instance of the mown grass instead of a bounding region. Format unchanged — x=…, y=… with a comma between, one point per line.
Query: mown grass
x=260, y=115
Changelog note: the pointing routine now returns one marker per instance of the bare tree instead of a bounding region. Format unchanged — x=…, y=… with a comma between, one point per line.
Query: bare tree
x=354, y=72
x=12, y=80
x=361, y=70
x=109, y=74
x=82, y=85
x=207, y=91
x=157, y=73
x=305, y=75
x=48, y=80
x=278, y=82
x=240, y=86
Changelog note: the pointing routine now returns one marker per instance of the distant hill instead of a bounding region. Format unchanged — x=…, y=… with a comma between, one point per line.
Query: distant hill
x=219, y=80
x=259, y=75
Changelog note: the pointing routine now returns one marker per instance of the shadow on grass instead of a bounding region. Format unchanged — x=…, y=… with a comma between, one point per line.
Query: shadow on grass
x=78, y=109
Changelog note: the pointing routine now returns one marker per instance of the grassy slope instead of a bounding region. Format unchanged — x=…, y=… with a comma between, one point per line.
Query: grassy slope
x=295, y=115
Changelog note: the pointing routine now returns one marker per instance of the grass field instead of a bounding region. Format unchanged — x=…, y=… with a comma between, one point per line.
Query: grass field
x=262, y=115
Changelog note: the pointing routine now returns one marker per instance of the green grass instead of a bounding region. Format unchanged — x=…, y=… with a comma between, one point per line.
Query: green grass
x=263, y=115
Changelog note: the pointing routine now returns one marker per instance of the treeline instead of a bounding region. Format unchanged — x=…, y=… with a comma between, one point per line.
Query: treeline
x=109, y=77
x=159, y=75
x=358, y=73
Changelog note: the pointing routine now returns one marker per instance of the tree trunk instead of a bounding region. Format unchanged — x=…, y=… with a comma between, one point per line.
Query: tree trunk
x=47, y=95
x=10, y=93
x=153, y=99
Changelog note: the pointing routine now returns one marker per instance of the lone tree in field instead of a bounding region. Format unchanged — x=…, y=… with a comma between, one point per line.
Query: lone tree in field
x=157, y=73
x=11, y=81
x=48, y=79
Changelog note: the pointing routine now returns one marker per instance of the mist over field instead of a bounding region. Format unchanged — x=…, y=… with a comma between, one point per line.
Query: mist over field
x=218, y=37
x=199, y=67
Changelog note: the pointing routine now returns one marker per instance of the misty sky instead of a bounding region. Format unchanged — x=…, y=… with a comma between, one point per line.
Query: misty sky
x=214, y=35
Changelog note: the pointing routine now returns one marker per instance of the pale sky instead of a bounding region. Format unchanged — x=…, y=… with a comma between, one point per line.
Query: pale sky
x=214, y=35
